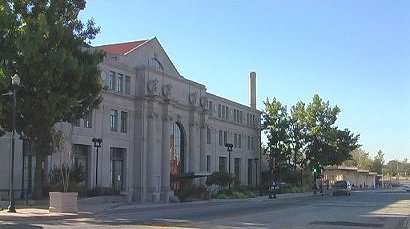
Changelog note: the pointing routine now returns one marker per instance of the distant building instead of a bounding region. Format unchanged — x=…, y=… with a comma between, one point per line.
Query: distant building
x=361, y=179
x=160, y=131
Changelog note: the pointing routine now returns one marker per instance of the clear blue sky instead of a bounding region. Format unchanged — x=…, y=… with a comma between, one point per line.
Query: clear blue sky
x=356, y=54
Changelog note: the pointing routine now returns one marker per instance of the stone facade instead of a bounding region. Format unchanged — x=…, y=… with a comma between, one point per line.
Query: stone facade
x=158, y=127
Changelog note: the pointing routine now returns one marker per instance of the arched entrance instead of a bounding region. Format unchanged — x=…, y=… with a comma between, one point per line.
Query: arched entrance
x=177, y=149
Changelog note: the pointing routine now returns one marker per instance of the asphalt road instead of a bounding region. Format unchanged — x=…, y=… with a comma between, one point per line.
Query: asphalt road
x=361, y=210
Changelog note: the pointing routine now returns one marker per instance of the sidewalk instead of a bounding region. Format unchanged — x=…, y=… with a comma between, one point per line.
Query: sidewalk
x=88, y=207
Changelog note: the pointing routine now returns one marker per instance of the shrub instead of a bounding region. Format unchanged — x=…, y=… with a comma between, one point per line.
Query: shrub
x=222, y=179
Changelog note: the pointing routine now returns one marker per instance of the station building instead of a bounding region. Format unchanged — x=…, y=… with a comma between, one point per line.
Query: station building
x=160, y=131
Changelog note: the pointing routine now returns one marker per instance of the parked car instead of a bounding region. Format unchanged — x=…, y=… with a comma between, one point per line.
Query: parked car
x=342, y=187
x=407, y=187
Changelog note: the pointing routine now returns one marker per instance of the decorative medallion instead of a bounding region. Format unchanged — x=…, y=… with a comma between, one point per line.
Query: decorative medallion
x=203, y=101
x=167, y=90
x=192, y=98
x=152, y=86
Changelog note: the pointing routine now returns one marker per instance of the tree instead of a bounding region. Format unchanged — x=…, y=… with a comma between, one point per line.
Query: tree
x=327, y=145
x=378, y=162
x=360, y=159
x=297, y=132
x=275, y=124
x=59, y=72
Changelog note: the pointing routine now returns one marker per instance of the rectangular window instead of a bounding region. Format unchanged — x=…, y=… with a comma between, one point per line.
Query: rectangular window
x=117, y=156
x=88, y=119
x=249, y=142
x=235, y=140
x=225, y=137
x=114, y=120
x=237, y=116
x=210, y=106
x=127, y=85
x=219, y=111
x=234, y=115
x=222, y=164
x=81, y=160
x=208, y=135
x=240, y=140
x=76, y=122
x=241, y=117
x=208, y=163
x=252, y=143
x=250, y=172
x=220, y=138
x=227, y=113
x=120, y=83
x=247, y=118
x=112, y=81
x=124, y=121
x=237, y=167
x=223, y=111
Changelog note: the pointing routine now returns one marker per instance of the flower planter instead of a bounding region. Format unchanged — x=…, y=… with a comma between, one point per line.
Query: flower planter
x=63, y=202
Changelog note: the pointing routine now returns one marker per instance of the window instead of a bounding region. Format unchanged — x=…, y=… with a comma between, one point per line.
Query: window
x=124, y=121
x=237, y=167
x=114, y=120
x=235, y=140
x=252, y=143
x=222, y=164
x=240, y=140
x=241, y=117
x=76, y=122
x=223, y=111
x=88, y=119
x=155, y=64
x=210, y=107
x=247, y=118
x=249, y=142
x=234, y=115
x=227, y=113
x=127, y=85
x=219, y=111
x=208, y=163
x=81, y=156
x=237, y=116
x=117, y=156
x=112, y=80
x=220, y=138
x=208, y=135
x=250, y=161
x=225, y=137
x=120, y=83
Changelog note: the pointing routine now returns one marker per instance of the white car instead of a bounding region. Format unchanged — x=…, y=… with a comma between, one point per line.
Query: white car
x=407, y=187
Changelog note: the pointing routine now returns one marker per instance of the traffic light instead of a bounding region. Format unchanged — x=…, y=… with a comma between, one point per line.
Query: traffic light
x=315, y=169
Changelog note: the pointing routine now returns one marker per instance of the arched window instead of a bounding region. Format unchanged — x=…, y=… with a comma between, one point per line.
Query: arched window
x=177, y=140
x=155, y=64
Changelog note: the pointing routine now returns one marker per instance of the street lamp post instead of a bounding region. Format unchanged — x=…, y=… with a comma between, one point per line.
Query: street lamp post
x=229, y=148
x=97, y=144
x=15, y=82
x=256, y=174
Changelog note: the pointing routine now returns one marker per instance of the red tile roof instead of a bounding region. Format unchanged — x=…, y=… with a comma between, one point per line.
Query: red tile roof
x=121, y=48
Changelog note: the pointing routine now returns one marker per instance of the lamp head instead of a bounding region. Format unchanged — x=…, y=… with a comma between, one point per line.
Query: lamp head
x=97, y=142
x=229, y=146
x=15, y=80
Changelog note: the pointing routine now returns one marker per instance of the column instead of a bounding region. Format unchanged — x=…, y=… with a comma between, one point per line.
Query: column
x=202, y=152
x=165, y=159
x=193, y=158
x=151, y=158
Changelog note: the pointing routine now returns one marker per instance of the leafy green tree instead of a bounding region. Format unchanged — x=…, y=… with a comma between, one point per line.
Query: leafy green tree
x=297, y=133
x=59, y=72
x=360, y=159
x=378, y=162
x=275, y=124
x=327, y=145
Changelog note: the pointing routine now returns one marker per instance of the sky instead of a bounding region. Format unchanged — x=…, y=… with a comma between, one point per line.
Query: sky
x=354, y=54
